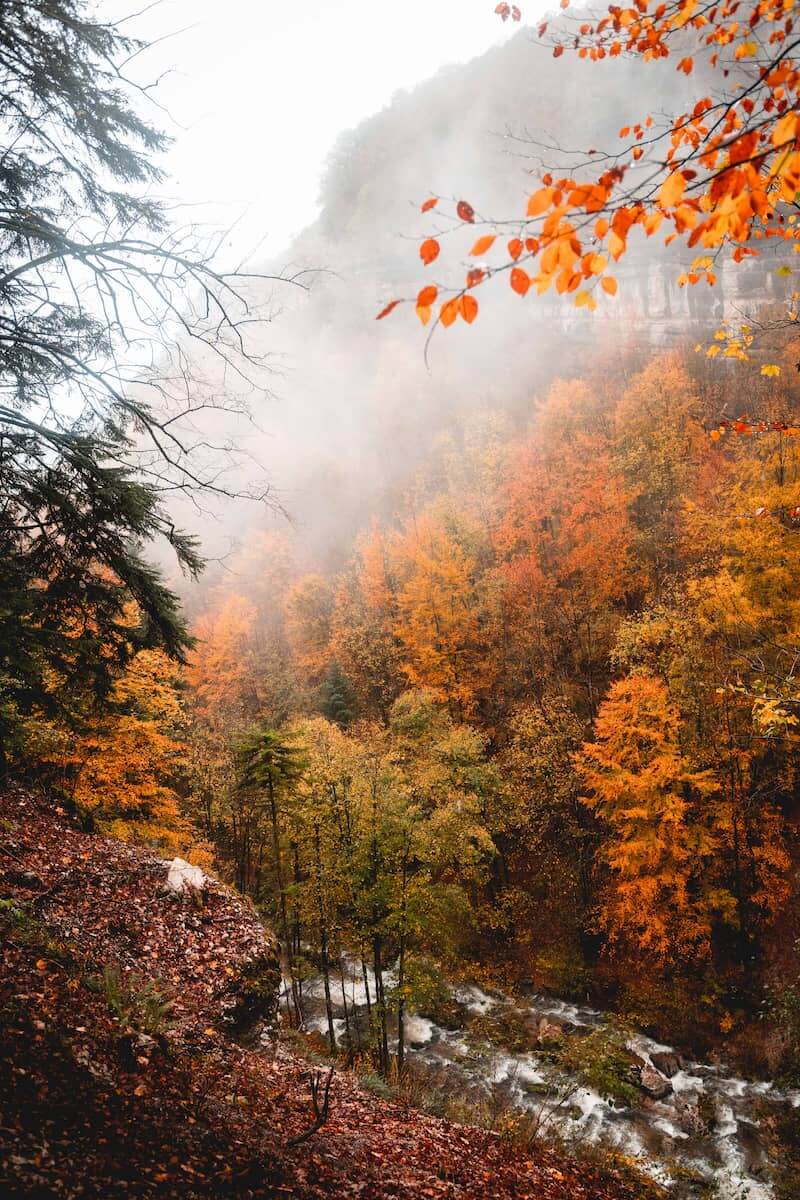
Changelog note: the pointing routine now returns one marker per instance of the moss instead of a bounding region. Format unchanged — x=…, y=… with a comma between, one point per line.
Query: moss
x=504, y=1027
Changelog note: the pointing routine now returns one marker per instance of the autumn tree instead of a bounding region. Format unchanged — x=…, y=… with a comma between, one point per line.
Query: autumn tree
x=126, y=770
x=660, y=843
x=563, y=545
x=271, y=765
x=439, y=622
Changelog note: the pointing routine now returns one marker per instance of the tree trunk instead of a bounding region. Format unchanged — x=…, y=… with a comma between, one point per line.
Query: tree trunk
x=380, y=1007
x=284, y=917
x=323, y=940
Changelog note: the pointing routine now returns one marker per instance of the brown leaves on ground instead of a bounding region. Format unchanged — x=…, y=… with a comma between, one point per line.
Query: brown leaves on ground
x=94, y=1107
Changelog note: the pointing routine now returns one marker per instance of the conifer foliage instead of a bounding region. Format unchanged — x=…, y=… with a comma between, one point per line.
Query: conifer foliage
x=99, y=294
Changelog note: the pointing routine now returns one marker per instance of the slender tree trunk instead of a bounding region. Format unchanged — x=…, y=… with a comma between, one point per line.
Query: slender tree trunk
x=401, y=976
x=284, y=917
x=365, y=976
x=380, y=1006
x=347, y=1031
x=323, y=940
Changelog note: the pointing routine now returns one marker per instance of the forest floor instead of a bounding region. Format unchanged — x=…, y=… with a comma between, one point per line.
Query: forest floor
x=123, y=1071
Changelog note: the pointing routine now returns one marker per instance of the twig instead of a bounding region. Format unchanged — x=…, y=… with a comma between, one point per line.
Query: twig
x=320, y=1114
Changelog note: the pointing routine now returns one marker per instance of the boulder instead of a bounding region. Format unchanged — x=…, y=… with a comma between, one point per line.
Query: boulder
x=654, y=1083
x=549, y=1033
x=183, y=877
x=668, y=1062
x=690, y=1118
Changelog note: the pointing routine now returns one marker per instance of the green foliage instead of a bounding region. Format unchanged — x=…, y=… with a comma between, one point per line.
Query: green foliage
x=602, y=1062
x=426, y=990
x=337, y=700
x=137, y=1004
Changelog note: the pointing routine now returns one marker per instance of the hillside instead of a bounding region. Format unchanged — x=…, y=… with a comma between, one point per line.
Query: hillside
x=132, y=1061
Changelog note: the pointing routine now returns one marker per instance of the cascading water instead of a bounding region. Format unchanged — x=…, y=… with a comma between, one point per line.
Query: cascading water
x=704, y=1121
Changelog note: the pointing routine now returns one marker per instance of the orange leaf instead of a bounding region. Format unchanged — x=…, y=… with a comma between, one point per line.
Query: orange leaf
x=515, y=248
x=389, y=308
x=429, y=204
x=520, y=281
x=427, y=296
x=469, y=308
x=671, y=190
x=483, y=244
x=424, y=313
x=616, y=245
x=609, y=284
x=540, y=201
x=429, y=250
x=449, y=312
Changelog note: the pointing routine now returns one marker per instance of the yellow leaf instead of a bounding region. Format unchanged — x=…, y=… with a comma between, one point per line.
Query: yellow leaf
x=785, y=129
x=671, y=191
x=770, y=369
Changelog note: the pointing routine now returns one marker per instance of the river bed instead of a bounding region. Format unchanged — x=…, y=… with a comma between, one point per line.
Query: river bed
x=704, y=1130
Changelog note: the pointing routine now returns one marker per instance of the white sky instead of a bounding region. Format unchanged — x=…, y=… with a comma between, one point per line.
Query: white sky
x=260, y=89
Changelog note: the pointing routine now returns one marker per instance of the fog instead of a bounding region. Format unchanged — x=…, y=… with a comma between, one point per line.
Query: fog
x=343, y=420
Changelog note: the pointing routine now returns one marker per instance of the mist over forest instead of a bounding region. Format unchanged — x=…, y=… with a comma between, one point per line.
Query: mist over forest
x=399, y=761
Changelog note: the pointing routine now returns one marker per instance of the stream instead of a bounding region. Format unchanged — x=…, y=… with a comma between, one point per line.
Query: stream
x=699, y=1134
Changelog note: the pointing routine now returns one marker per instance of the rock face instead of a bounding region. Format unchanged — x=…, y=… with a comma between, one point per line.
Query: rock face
x=654, y=1083
x=668, y=1062
x=183, y=877
x=253, y=994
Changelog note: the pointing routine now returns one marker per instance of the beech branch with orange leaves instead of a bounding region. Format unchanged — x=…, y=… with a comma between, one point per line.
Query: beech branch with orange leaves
x=721, y=177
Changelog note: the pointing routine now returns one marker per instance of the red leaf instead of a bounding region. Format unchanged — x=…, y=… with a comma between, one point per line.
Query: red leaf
x=427, y=296
x=389, y=308
x=469, y=308
x=520, y=281
x=429, y=250
x=465, y=211
x=515, y=248
x=474, y=276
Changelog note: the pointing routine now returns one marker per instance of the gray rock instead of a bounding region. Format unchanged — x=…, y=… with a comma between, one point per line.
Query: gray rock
x=668, y=1062
x=654, y=1083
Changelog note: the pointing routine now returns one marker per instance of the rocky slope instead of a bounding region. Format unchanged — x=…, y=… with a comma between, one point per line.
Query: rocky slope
x=135, y=1013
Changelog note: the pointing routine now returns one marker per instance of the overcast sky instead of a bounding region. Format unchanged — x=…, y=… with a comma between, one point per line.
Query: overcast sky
x=258, y=90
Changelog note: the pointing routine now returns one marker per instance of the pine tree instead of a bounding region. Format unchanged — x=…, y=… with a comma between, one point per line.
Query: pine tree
x=93, y=433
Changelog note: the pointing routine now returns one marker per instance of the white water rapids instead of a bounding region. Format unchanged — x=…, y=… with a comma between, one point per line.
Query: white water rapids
x=727, y=1150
